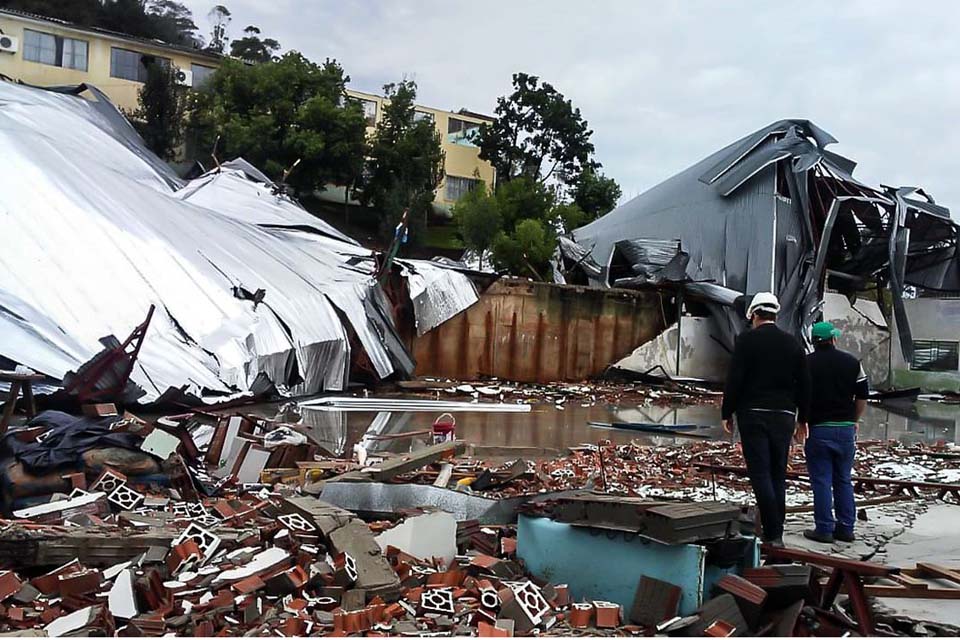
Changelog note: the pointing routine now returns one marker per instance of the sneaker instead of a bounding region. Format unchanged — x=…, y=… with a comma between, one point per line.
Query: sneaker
x=844, y=536
x=776, y=542
x=816, y=536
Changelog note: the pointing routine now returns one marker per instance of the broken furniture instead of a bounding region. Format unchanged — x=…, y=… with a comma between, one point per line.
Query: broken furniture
x=844, y=572
x=19, y=382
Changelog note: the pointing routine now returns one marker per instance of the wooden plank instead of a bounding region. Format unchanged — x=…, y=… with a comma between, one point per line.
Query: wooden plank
x=824, y=560
x=909, y=581
x=897, y=591
x=928, y=569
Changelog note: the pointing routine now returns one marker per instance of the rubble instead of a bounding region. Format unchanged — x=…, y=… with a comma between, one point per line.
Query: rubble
x=182, y=538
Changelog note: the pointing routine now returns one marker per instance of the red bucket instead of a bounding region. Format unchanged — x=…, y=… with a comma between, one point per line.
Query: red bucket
x=444, y=429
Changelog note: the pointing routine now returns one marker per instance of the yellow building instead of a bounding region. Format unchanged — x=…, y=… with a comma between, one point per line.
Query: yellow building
x=463, y=166
x=45, y=51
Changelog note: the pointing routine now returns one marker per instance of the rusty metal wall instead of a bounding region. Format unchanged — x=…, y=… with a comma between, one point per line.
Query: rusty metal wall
x=539, y=332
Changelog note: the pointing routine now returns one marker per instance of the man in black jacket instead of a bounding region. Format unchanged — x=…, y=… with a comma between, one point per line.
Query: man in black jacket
x=839, y=399
x=768, y=388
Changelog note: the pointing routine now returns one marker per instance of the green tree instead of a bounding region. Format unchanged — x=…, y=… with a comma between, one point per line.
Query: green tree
x=595, y=194
x=220, y=17
x=252, y=48
x=276, y=113
x=526, y=251
x=160, y=117
x=173, y=22
x=404, y=163
x=538, y=134
x=478, y=217
x=525, y=198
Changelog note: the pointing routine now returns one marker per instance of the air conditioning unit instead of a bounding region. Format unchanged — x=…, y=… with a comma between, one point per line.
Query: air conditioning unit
x=185, y=77
x=9, y=44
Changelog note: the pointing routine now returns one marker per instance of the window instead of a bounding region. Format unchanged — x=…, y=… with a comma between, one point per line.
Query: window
x=462, y=132
x=423, y=115
x=369, y=111
x=132, y=65
x=935, y=355
x=201, y=74
x=57, y=51
x=457, y=187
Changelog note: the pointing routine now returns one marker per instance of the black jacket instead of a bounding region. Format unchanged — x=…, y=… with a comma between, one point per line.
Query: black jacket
x=768, y=370
x=837, y=380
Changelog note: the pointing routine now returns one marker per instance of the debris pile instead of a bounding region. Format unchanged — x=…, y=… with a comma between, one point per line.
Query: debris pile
x=664, y=392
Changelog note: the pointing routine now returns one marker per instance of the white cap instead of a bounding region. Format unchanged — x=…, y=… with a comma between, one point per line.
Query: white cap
x=763, y=301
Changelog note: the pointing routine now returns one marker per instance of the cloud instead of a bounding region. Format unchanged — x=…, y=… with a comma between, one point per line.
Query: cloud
x=664, y=84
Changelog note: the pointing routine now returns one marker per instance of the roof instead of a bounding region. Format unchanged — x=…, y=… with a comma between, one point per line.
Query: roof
x=108, y=33
x=462, y=112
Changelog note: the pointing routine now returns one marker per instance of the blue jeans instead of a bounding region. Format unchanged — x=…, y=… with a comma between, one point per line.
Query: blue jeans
x=830, y=452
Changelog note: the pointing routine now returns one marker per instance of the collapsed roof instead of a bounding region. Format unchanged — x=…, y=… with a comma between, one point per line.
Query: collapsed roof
x=96, y=229
x=774, y=211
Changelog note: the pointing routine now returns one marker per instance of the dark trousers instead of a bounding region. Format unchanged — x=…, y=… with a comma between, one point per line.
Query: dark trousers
x=766, y=437
x=830, y=452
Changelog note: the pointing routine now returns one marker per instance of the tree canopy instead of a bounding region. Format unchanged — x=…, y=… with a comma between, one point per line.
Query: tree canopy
x=595, y=194
x=538, y=134
x=548, y=181
x=220, y=17
x=274, y=114
x=404, y=162
x=252, y=48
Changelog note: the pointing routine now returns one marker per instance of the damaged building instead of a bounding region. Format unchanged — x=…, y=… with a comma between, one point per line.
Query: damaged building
x=249, y=290
x=778, y=211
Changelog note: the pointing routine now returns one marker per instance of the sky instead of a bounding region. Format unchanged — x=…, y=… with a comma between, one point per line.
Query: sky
x=665, y=83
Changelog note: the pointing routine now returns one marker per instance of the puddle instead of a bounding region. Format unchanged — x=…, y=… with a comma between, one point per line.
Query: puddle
x=549, y=428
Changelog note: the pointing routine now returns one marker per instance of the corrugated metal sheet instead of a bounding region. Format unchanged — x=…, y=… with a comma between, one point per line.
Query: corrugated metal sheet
x=94, y=233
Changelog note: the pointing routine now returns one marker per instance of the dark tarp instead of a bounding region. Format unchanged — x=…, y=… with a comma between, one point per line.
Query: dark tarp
x=66, y=440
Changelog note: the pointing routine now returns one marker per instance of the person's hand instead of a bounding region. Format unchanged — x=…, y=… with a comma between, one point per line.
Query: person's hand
x=727, y=427
x=801, y=432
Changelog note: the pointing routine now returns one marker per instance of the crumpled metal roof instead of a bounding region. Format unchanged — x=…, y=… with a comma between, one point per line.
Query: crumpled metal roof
x=94, y=233
x=774, y=211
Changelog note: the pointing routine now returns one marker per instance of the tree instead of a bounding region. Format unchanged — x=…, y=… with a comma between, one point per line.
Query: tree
x=274, y=114
x=173, y=22
x=477, y=214
x=220, y=16
x=252, y=48
x=404, y=162
x=160, y=116
x=595, y=194
x=527, y=250
x=538, y=134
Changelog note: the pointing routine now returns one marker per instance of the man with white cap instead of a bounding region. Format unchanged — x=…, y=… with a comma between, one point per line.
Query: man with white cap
x=768, y=388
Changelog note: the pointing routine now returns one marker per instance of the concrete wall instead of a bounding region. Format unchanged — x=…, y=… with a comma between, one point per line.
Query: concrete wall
x=701, y=356
x=123, y=93
x=539, y=332
x=930, y=319
x=865, y=334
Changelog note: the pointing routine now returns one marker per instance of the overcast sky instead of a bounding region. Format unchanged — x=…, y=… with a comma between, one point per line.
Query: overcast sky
x=665, y=83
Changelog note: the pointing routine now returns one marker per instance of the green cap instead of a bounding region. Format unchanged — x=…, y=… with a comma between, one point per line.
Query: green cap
x=824, y=331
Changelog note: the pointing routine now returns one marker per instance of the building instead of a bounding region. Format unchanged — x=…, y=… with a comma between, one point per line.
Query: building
x=45, y=52
x=463, y=167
